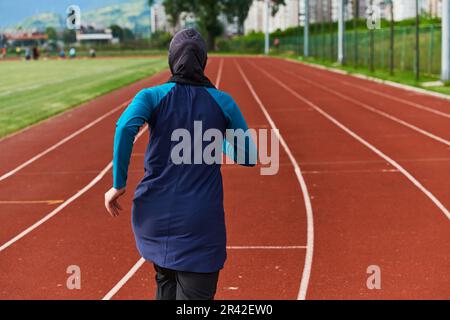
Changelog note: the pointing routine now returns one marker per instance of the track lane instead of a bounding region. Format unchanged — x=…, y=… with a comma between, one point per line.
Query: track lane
x=35, y=139
x=62, y=239
x=75, y=236
x=404, y=96
x=347, y=241
x=434, y=126
x=50, y=177
x=363, y=218
x=252, y=218
x=303, y=187
x=246, y=276
x=396, y=140
x=82, y=234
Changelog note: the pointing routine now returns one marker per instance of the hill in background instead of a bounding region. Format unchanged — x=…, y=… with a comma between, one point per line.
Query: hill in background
x=132, y=14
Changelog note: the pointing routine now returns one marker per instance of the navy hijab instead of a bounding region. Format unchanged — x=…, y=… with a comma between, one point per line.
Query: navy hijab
x=187, y=59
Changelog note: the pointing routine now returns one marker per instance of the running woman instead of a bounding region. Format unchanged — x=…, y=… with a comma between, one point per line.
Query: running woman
x=178, y=213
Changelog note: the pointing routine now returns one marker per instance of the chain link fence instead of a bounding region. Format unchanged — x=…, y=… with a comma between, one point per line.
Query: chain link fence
x=372, y=40
x=358, y=49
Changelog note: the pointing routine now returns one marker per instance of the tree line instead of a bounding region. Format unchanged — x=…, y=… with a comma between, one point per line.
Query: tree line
x=207, y=14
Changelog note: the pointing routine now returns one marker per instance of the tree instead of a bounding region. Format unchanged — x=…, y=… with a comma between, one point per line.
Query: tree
x=276, y=6
x=69, y=36
x=174, y=8
x=128, y=35
x=51, y=33
x=237, y=9
x=117, y=32
x=207, y=12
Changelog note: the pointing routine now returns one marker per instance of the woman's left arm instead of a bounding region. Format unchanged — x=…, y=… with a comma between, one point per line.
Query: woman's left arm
x=134, y=117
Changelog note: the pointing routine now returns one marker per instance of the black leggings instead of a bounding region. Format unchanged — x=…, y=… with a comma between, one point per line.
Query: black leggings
x=182, y=285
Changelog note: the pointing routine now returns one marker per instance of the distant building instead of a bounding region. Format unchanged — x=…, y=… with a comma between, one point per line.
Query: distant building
x=432, y=7
x=293, y=14
x=24, y=39
x=406, y=9
x=90, y=35
x=287, y=16
x=255, y=18
x=159, y=18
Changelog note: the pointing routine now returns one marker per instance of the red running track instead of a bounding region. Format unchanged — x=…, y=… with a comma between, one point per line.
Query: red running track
x=363, y=180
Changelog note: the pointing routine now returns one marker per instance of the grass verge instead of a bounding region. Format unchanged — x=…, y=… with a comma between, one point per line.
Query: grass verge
x=32, y=91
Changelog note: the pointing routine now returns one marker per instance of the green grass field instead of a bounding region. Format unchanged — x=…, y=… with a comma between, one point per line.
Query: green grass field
x=31, y=91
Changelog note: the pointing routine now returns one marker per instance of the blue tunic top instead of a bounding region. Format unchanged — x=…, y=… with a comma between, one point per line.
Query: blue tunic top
x=178, y=213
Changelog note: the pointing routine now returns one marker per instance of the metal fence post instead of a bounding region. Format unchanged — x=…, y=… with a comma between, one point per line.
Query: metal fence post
x=306, y=30
x=417, y=71
x=355, y=33
x=266, y=27
x=445, y=55
x=391, y=39
x=341, y=32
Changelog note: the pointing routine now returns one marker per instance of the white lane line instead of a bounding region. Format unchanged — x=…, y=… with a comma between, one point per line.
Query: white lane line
x=392, y=97
x=409, y=176
x=370, y=108
x=65, y=203
x=306, y=197
x=61, y=142
x=230, y=167
x=349, y=171
x=58, y=209
x=141, y=262
x=265, y=247
x=410, y=103
x=337, y=162
x=49, y=202
x=124, y=280
x=219, y=74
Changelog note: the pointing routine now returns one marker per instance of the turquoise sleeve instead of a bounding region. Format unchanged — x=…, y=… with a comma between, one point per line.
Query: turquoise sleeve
x=135, y=115
x=244, y=151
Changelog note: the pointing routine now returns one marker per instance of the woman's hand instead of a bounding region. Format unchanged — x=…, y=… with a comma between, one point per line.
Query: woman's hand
x=111, y=203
